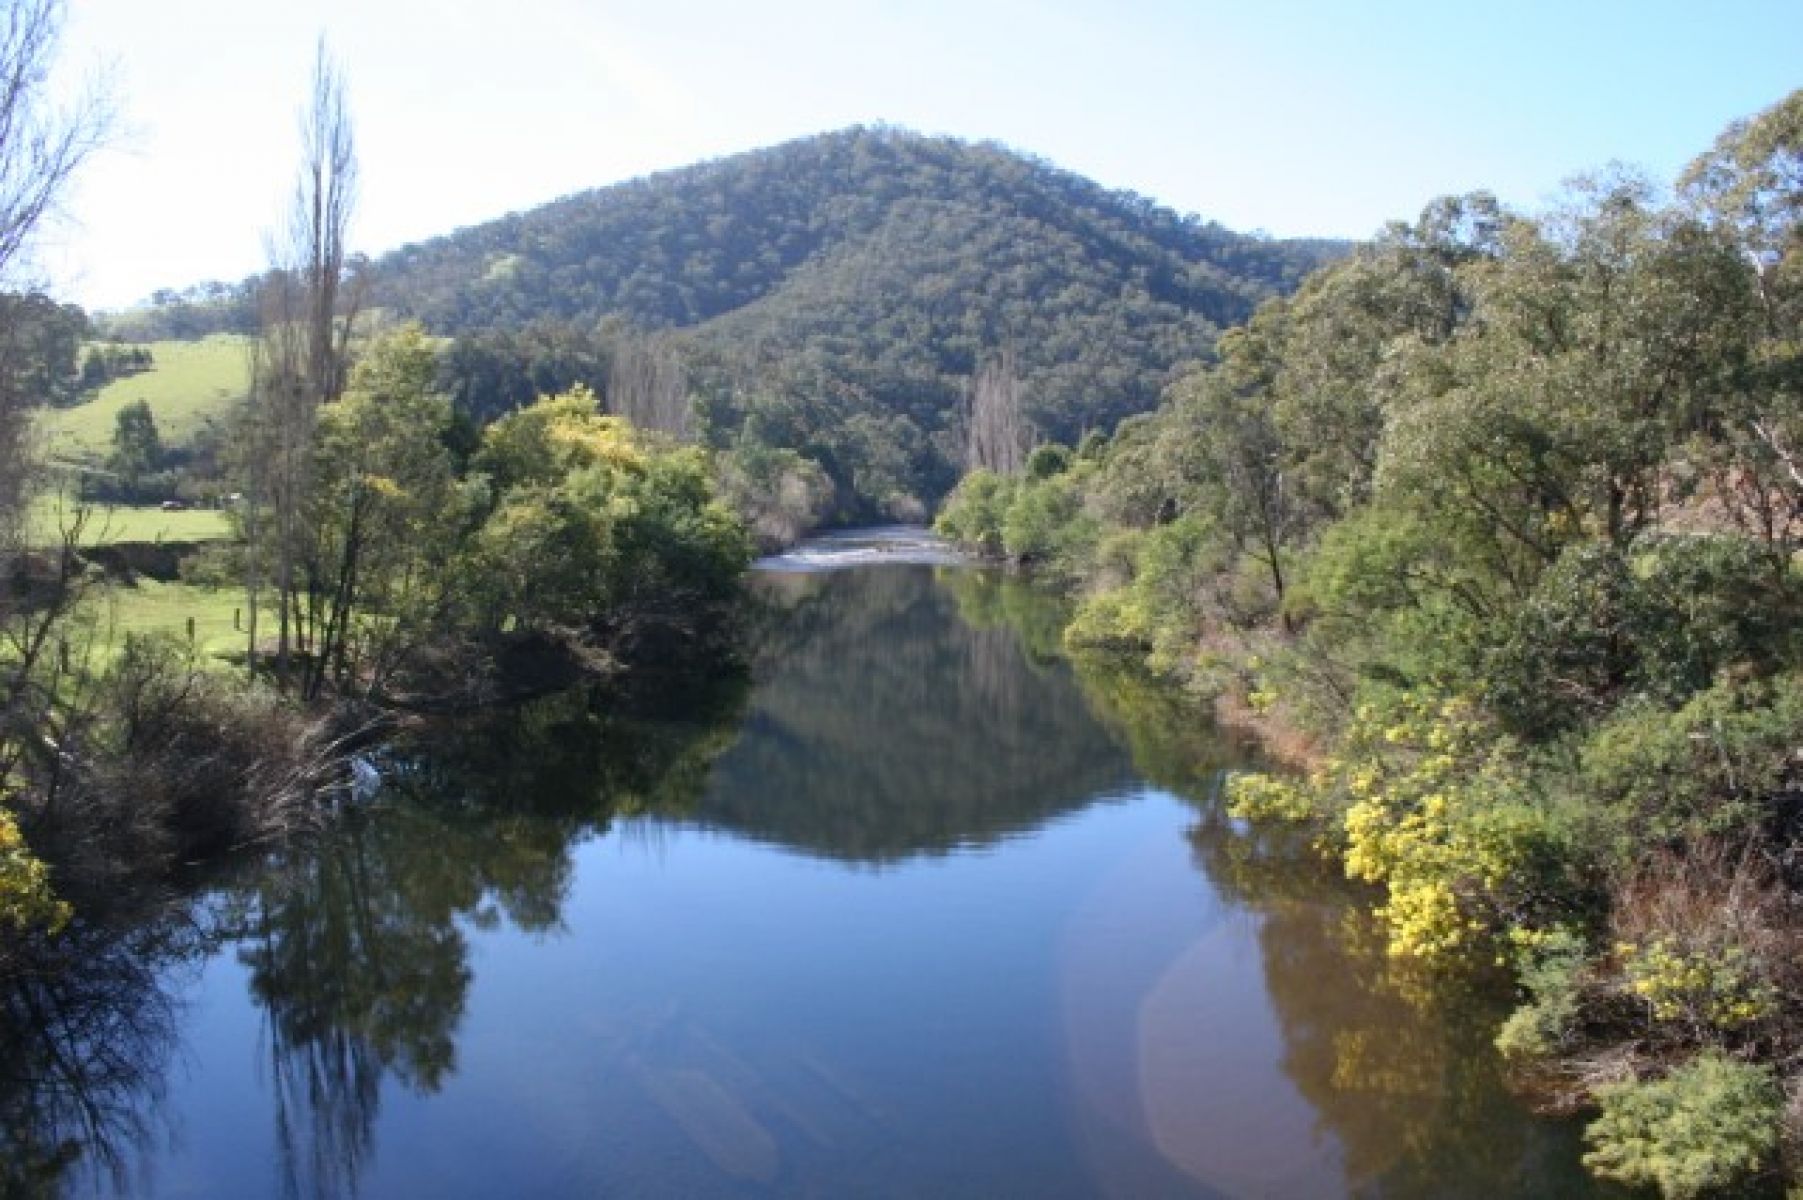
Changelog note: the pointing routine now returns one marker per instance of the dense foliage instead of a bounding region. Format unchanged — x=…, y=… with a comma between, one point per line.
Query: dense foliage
x=426, y=556
x=1502, y=513
x=41, y=347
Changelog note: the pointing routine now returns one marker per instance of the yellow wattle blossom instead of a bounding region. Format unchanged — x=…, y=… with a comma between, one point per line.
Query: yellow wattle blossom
x=25, y=896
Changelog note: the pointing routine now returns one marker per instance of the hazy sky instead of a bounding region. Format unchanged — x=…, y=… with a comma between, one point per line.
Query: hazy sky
x=1296, y=118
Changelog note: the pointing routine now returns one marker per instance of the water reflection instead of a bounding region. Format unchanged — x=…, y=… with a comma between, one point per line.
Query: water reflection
x=1072, y=976
x=86, y=1035
x=1402, y=1091
x=355, y=944
x=883, y=726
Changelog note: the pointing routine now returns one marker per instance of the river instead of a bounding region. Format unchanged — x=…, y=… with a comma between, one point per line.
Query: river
x=916, y=909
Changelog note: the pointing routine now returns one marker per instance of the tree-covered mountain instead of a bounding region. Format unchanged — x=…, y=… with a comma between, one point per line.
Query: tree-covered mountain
x=838, y=293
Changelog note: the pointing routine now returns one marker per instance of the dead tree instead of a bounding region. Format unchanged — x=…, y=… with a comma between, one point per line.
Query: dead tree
x=995, y=430
x=648, y=384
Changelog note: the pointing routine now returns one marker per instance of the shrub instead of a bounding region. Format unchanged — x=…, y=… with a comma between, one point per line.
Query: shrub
x=781, y=495
x=1048, y=459
x=1439, y=812
x=1550, y=965
x=1716, y=988
x=973, y=513
x=1045, y=526
x=1716, y=766
x=1660, y=623
x=1708, y=945
x=26, y=901
x=1708, y=1126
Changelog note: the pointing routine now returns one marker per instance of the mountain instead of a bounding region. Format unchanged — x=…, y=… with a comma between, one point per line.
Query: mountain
x=834, y=295
x=876, y=270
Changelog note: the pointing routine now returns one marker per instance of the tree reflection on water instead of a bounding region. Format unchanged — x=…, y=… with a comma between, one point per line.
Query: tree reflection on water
x=895, y=716
x=86, y=1033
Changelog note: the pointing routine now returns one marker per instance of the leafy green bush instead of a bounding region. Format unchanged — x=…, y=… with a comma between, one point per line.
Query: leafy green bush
x=1714, y=766
x=1160, y=609
x=1048, y=459
x=595, y=530
x=1045, y=526
x=973, y=513
x=1550, y=967
x=1705, y=1128
x=1659, y=623
x=781, y=494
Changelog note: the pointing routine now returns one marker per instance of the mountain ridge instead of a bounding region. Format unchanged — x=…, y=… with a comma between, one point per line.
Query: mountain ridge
x=836, y=294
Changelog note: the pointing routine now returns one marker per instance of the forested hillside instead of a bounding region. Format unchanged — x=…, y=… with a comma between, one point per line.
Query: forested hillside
x=841, y=291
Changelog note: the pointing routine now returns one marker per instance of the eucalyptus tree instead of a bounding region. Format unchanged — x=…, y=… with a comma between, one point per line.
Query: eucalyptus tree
x=1749, y=189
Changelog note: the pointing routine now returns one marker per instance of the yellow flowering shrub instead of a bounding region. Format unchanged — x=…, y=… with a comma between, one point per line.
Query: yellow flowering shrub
x=1428, y=805
x=1721, y=989
x=26, y=900
x=1254, y=797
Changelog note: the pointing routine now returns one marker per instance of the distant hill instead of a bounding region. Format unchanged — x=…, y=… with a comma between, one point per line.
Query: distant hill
x=190, y=387
x=879, y=264
x=834, y=295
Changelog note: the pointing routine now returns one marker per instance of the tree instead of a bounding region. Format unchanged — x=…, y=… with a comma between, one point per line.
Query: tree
x=41, y=147
x=1749, y=188
x=309, y=306
x=137, y=447
x=648, y=385
x=996, y=435
x=384, y=515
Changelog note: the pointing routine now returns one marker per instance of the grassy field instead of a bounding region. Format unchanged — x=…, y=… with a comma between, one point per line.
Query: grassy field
x=116, y=523
x=191, y=384
x=152, y=607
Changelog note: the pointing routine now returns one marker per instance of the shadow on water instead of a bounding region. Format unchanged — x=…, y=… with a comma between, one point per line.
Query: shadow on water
x=353, y=944
x=1071, y=976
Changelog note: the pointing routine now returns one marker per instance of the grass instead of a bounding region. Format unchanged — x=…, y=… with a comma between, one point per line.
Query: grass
x=151, y=607
x=190, y=385
x=107, y=524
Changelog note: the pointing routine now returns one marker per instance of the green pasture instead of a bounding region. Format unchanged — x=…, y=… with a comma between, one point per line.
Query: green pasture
x=150, y=607
x=190, y=385
x=104, y=524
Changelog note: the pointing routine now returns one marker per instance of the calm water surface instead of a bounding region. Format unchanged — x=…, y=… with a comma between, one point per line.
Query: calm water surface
x=919, y=910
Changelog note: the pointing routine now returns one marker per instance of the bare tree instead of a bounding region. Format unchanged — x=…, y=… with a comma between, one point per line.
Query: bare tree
x=648, y=384
x=995, y=431
x=309, y=305
x=41, y=146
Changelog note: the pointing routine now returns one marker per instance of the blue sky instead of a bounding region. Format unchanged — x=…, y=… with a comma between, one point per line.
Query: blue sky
x=1295, y=118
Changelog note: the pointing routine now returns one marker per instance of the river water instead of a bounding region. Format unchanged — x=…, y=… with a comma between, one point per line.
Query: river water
x=917, y=909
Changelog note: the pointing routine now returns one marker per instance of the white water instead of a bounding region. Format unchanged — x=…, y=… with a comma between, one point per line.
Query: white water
x=911, y=544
